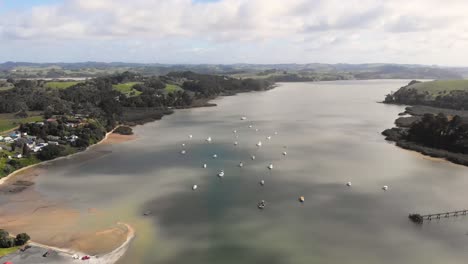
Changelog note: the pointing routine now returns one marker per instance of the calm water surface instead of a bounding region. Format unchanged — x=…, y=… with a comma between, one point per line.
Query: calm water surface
x=331, y=132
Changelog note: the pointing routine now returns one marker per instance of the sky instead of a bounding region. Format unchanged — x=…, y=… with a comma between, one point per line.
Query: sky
x=235, y=31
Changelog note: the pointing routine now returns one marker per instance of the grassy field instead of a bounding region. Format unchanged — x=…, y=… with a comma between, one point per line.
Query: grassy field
x=6, y=251
x=442, y=87
x=127, y=88
x=9, y=121
x=60, y=85
x=170, y=88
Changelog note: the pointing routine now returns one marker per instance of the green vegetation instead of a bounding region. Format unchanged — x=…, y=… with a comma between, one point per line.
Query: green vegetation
x=127, y=88
x=10, y=244
x=7, y=251
x=124, y=130
x=80, y=115
x=440, y=87
x=444, y=94
x=10, y=121
x=170, y=88
x=60, y=85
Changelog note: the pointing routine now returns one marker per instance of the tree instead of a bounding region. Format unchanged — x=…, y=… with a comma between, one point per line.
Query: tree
x=26, y=150
x=22, y=239
x=50, y=152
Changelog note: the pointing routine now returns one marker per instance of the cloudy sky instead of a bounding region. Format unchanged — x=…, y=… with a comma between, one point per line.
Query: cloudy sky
x=234, y=31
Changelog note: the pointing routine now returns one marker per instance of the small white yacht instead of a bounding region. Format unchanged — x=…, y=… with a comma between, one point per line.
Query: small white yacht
x=208, y=139
x=215, y=156
x=244, y=118
x=261, y=204
x=285, y=153
x=253, y=157
x=269, y=137
x=183, y=144
x=241, y=164
x=204, y=166
x=385, y=187
x=194, y=187
x=183, y=152
x=221, y=174
x=234, y=131
x=250, y=126
x=270, y=166
x=262, y=182
x=236, y=143
x=348, y=184
x=259, y=144
x=190, y=136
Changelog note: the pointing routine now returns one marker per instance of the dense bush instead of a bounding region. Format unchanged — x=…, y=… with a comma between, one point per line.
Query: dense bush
x=6, y=241
x=124, y=130
x=50, y=152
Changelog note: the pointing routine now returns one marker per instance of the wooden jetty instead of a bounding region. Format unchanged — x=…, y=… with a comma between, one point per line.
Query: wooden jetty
x=417, y=218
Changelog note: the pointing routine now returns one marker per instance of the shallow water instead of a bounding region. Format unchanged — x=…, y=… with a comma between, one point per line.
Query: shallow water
x=331, y=132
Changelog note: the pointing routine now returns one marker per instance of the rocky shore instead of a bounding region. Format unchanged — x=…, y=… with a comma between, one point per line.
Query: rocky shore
x=397, y=134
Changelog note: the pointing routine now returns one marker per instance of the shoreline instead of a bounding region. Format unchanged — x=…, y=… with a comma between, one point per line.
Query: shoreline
x=4, y=180
x=396, y=134
x=66, y=255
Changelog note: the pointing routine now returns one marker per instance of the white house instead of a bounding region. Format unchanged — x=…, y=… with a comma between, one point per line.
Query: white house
x=8, y=139
x=1, y=138
x=53, y=143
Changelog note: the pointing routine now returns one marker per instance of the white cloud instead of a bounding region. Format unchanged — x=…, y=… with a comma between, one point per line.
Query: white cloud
x=384, y=27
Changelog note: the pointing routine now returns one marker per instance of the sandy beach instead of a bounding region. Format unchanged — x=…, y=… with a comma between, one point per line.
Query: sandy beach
x=26, y=209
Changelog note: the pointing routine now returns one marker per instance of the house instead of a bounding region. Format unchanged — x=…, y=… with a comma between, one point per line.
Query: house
x=72, y=138
x=53, y=138
x=1, y=138
x=8, y=139
x=55, y=143
x=36, y=149
x=18, y=156
x=41, y=145
x=40, y=123
x=51, y=120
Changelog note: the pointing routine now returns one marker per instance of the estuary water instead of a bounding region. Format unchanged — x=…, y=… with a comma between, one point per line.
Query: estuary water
x=331, y=133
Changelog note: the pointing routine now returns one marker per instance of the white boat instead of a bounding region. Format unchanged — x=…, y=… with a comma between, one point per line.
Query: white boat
x=241, y=164
x=183, y=152
x=259, y=144
x=301, y=199
x=348, y=184
x=276, y=133
x=261, y=204
x=183, y=144
x=269, y=137
x=385, y=187
x=204, y=166
x=253, y=157
x=236, y=143
x=250, y=126
x=244, y=118
x=215, y=156
x=262, y=182
x=221, y=174
x=194, y=187
x=256, y=130
x=270, y=166
x=190, y=136
x=285, y=153
x=208, y=139
x=234, y=131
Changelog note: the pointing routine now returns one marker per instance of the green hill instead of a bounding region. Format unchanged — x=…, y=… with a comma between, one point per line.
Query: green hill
x=440, y=87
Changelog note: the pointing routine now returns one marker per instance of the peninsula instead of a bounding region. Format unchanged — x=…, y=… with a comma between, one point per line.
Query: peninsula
x=436, y=123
